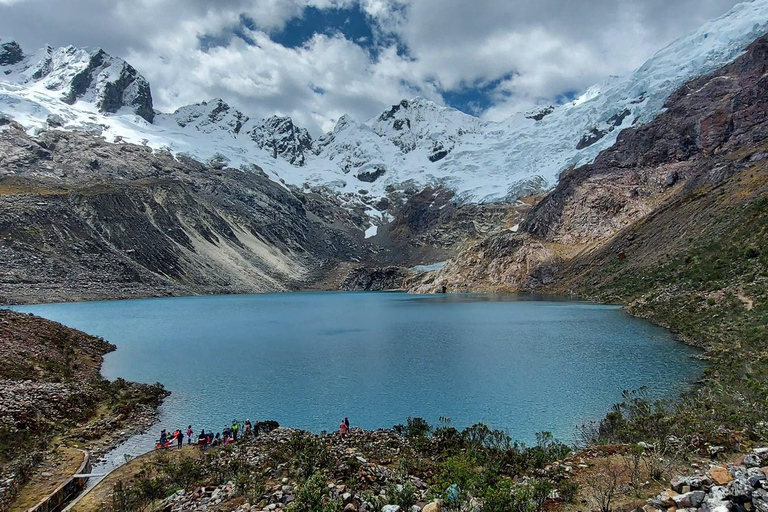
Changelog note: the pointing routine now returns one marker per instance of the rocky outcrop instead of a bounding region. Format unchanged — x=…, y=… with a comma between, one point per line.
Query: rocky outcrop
x=374, y=279
x=283, y=139
x=114, y=83
x=10, y=53
x=741, y=485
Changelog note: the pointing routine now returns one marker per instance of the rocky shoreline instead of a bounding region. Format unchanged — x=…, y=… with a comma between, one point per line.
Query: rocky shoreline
x=52, y=394
x=401, y=470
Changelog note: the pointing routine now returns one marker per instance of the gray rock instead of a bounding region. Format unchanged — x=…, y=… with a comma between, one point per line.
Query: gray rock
x=740, y=491
x=760, y=500
x=756, y=480
x=690, y=499
x=10, y=53
x=390, y=508
x=692, y=482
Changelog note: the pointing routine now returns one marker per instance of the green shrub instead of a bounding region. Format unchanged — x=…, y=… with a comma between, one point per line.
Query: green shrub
x=313, y=497
x=402, y=495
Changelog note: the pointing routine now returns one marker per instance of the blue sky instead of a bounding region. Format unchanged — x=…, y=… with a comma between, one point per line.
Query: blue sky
x=316, y=60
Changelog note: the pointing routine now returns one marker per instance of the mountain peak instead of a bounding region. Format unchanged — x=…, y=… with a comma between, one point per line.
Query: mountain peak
x=92, y=75
x=282, y=138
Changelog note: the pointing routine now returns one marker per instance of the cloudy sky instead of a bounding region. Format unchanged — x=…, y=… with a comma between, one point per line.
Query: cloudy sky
x=318, y=59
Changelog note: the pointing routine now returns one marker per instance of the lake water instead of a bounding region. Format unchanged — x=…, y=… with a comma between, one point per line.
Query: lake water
x=306, y=360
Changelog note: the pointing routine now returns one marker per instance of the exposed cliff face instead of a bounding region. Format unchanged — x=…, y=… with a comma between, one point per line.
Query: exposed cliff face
x=712, y=132
x=374, y=279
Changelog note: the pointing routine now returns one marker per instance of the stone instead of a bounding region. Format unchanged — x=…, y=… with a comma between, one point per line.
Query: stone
x=431, y=507
x=740, y=491
x=690, y=499
x=390, y=508
x=350, y=507
x=752, y=460
x=720, y=475
x=684, y=484
x=756, y=480
x=716, y=506
x=664, y=500
x=760, y=500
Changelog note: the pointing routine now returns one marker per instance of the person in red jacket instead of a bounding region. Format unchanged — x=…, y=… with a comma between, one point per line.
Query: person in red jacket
x=343, y=429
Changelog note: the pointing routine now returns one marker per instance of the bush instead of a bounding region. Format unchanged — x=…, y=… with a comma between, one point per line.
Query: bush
x=313, y=497
x=402, y=495
x=414, y=428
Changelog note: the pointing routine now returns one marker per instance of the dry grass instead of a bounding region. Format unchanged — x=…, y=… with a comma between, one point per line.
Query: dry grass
x=64, y=463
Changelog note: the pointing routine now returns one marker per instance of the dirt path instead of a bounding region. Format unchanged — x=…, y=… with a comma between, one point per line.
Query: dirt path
x=64, y=463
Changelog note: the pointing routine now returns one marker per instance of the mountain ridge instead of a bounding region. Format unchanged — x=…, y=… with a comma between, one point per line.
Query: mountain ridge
x=411, y=144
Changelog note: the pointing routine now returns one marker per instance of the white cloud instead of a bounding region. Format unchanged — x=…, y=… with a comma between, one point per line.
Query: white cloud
x=548, y=47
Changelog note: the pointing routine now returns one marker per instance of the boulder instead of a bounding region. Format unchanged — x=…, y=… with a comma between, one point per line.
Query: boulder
x=740, y=491
x=664, y=500
x=431, y=507
x=720, y=475
x=760, y=500
x=693, y=483
x=690, y=499
x=755, y=476
x=752, y=460
x=390, y=508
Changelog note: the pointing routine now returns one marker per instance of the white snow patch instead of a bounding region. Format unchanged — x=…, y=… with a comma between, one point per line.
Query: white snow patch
x=371, y=231
x=429, y=268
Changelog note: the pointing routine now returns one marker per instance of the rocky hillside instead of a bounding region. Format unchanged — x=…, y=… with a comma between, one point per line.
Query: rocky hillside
x=709, y=140
x=81, y=218
x=50, y=386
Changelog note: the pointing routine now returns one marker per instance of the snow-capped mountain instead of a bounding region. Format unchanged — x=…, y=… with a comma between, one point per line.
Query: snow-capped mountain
x=75, y=75
x=277, y=135
x=412, y=144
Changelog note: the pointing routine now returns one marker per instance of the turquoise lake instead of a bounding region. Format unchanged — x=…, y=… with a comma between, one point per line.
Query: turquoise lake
x=519, y=363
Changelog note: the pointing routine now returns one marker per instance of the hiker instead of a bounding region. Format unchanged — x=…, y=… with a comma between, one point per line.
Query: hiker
x=202, y=440
x=346, y=422
x=247, y=428
x=189, y=434
x=180, y=439
x=235, y=428
x=163, y=438
x=226, y=432
x=217, y=439
x=343, y=429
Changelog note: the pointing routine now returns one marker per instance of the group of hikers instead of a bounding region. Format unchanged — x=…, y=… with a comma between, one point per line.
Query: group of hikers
x=228, y=435
x=205, y=439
